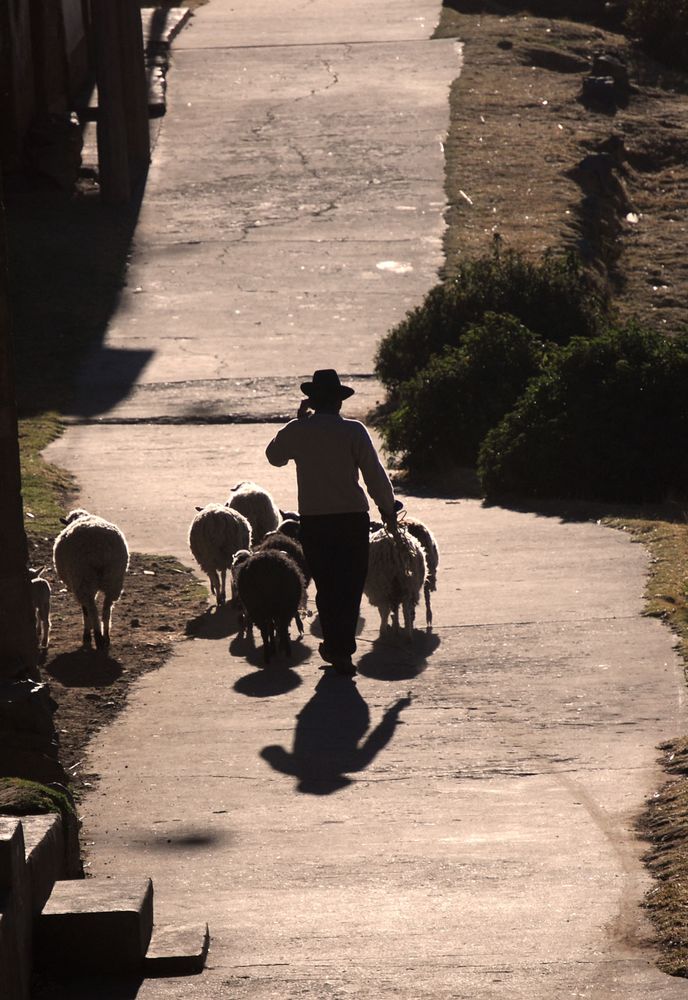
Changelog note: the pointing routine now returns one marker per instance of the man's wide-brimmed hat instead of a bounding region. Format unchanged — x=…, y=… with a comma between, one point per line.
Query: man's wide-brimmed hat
x=326, y=385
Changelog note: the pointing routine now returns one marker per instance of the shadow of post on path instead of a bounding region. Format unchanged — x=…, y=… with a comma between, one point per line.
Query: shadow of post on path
x=84, y=667
x=68, y=259
x=333, y=738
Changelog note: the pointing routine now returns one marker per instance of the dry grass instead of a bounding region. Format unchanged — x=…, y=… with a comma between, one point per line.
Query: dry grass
x=664, y=823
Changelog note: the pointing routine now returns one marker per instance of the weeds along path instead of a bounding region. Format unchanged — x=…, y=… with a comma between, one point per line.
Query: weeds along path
x=458, y=818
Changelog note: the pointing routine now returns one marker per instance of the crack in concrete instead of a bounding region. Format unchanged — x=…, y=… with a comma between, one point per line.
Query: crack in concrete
x=182, y=421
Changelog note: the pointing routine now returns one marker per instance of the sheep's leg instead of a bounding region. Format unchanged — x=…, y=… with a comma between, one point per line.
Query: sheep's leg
x=409, y=611
x=91, y=622
x=107, y=615
x=428, y=610
x=299, y=624
x=86, y=637
x=214, y=585
x=223, y=586
x=283, y=640
x=384, y=610
x=268, y=636
x=45, y=631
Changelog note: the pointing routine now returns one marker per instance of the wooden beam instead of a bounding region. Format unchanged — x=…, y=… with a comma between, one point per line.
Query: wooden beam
x=135, y=88
x=18, y=644
x=113, y=145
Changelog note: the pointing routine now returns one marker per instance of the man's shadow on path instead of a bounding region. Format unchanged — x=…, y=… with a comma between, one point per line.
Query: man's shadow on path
x=327, y=740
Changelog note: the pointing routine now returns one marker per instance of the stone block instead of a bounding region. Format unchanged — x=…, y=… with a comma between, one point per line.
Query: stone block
x=15, y=914
x=46, y=856
x=101, y=925
x=177, y=950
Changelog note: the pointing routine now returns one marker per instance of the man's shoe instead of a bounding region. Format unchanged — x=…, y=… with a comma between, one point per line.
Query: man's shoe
x=324, y=655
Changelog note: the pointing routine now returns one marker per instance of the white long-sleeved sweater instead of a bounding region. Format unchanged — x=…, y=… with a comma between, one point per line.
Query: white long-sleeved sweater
x=329, y=451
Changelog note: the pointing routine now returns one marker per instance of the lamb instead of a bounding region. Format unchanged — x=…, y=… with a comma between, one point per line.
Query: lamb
x=396, y=574
x=257, y=506
x=91, y=557
x=215, y=534
x=40, y=596
x=270, y=586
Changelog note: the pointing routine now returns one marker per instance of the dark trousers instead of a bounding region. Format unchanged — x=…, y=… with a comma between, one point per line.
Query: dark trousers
x=336, y=550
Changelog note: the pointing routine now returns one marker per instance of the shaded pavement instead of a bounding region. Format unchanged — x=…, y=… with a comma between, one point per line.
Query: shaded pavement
x=457, y=821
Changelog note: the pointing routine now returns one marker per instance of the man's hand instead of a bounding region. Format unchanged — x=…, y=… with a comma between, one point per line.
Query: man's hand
x=304, y=407
x=390, y=520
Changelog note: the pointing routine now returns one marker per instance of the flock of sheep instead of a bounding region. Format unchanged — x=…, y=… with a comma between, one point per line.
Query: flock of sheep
x=257, y=544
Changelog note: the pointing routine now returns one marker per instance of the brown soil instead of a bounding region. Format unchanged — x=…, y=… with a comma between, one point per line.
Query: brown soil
x=519, y=131
x=159, y=605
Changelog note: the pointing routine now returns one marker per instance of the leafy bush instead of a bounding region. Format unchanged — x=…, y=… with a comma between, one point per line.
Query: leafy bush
x=661, y=26
x=552, y=298
x=444, y=413
x=607, y=419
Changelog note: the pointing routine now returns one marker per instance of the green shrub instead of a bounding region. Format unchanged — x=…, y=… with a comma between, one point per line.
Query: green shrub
x=606, y=420
x=661, y=27
x=552, y=298
x=446, y=410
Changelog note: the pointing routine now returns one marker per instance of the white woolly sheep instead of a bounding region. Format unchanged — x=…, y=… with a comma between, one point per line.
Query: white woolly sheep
x=422, y=533
x=270, y=587
x=215, y=534
x=91, y=558
x=396, y=574
x=426, y=538
x=40, y=596
x=256, y=504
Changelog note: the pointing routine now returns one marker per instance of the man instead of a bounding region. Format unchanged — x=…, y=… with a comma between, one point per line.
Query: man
x=329, y=452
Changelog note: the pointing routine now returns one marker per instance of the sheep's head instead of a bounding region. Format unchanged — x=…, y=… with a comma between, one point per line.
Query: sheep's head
x=74, y=515
x=240, y=557
x=291, y=528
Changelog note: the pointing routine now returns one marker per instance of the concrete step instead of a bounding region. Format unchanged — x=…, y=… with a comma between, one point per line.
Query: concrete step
x=177, y=951
x=102, y=925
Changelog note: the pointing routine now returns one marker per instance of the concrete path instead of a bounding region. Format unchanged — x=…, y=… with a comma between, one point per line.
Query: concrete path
x=457, y=821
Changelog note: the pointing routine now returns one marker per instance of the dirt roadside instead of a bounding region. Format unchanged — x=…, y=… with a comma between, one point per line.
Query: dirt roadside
x=528, y=159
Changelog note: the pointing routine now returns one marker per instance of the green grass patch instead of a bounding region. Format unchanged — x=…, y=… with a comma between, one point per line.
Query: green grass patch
x=19, y=797
x=46, y=488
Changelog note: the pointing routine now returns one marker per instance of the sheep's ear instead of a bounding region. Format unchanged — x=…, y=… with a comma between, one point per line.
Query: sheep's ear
x=63, y=520
x=199, y=508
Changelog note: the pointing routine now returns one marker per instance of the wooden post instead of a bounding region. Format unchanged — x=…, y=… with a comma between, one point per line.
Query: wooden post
x=18, y=644
x=113, y=145
x=135, y=88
